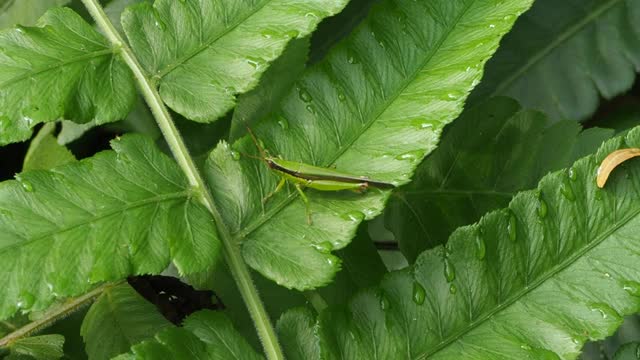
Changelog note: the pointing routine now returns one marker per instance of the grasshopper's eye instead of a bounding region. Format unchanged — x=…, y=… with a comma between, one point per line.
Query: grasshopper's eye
x=612, y=161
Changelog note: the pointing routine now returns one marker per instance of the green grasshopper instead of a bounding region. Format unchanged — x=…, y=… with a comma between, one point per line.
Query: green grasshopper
x=308, y=176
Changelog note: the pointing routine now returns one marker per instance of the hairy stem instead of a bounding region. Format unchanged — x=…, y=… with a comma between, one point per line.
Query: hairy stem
x=172, y=136
x=54, y=314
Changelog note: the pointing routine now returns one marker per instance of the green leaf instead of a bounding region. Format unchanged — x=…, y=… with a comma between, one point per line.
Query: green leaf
x=61, y=69
x=568, y=275
x=493, y=151
x=273, y=86
x=122, y=212
x=119, y=319
x=114, y=10
x=562, y=56
x=45, y=152
x=373, y=108
x=205, y=335
x=25, y=12
x=43, y=347
x=204, y=52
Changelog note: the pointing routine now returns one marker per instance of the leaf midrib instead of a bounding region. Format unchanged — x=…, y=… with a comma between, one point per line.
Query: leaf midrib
x=569, y=32
x=129, y=206
x=169, y=68
x=386, y=104
x=555, y=270
x=55, y=66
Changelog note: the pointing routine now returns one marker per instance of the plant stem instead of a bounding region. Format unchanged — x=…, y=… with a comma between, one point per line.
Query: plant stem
x=172, y=136
x=54, y=314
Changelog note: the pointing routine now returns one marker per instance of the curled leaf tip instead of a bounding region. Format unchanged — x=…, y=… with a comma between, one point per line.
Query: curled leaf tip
x=612, y=161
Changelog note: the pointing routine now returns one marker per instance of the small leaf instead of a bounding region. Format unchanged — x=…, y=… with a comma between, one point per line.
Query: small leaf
x=119, y=319
x=45, y=152
x=61, y=69
x=122, y=212
x=205, y=335
x=537, y=63
x=202, y=53
x=43, y=347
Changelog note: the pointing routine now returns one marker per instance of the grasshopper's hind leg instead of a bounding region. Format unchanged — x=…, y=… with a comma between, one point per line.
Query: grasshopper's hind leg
x=306, y=202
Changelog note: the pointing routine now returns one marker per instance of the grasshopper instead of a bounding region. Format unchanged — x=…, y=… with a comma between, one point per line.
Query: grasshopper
x=308, y=176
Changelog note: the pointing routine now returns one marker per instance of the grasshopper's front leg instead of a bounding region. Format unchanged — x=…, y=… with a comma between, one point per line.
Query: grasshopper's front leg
x=306, y=202
x=281, y=183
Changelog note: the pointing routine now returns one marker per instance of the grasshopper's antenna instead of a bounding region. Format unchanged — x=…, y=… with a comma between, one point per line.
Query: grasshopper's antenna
x=255, y=141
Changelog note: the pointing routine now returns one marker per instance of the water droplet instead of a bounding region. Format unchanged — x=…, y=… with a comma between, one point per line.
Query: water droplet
x=606, y=311
x=324, y=247
x=311, y=109
x=269, y=33
x=453, y=289
x=25, y=300
x=284, y=124
x=255, y=62
x=542, y=207
x=632, y=287
x=525, y=347
x=567, y=191
x=26, y=185
x=419, y=293
x=571, y=173
x=512, y=227
x=330, y=261
x=354, y=216
x=411, y=156
x=384, y=302
x=449, y=270
x=341, y=97
x=311, y=15
x=304, y=95
x=352, y=57
x=292, y=34
x=492, y=26
x=235, y=155
x=481, y=248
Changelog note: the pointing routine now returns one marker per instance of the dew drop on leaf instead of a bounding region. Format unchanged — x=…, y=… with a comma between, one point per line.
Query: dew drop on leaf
x=255, y=62
x=304, y=95
x=449, y=271
x=25, y=300
x=512, y=227
x=235, y=155
x=284, y=124
x=606, y=311
x=571, y=173
x=341, y=97
x=353, y=216
x=567, y=191
x=525, y=347
x=384, y=301
x=352, y=58
x=542, y=207
x=481, y=248
x=26, y=185
x=324, y=247
x=419, y=293
x=311, y=109
x=631, y=287
x=453, y=289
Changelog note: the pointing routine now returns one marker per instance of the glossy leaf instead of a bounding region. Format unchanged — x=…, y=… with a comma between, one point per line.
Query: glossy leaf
x=25, y=12
x=61, y=69
x=205, y=335
x=493, y=151
x=119, y=319
x=45, y=152
x=122, y=212
x=373, y=108
x=567, y=276
x=562, y=56
x=204, y=52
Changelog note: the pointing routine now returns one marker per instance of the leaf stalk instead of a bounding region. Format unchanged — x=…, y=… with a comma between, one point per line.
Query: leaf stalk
x=232, y=254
